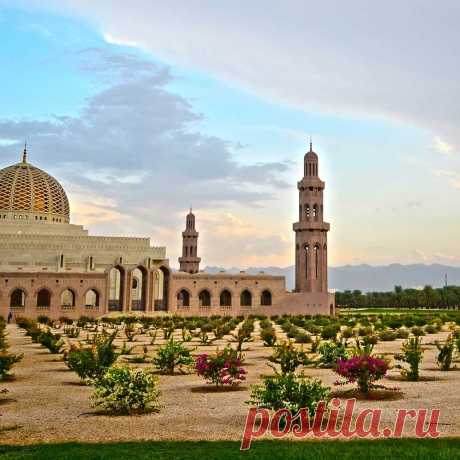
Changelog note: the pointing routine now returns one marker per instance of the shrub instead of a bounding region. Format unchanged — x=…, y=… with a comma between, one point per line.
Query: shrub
x=417, y=331
x=363, y=370
x=83, y=320
x=171, y=356
x=268, y=335
x=347, y=333
x=302, y=337
x=43, y=319
x=7, y=361
x=446, y=351
x=431, y=328
x=93, y=361
x=265, y=324
x=241, y=337
x=412, y=353
x=65, y=320
x=288, y=357
x=362, y=331
x=387, y=336
x=124, y=390
x=53, y=342
x=330, y=352
x=221, y=368
x=130, y=332
x=290, y=391
x=402, y=333
x=371, y=339
x=72, y=332
x=330, y=332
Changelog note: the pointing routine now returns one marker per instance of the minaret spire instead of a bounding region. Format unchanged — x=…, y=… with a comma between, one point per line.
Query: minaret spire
x=189, y=261
x=24, y=153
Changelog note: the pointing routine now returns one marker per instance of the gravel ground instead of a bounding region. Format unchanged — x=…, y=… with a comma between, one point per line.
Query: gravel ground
x=46, y=401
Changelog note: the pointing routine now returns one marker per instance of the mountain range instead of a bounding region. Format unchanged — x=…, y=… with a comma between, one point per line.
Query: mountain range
x=368, y=277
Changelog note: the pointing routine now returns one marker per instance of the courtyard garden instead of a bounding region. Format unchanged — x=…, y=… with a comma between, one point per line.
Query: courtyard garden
x=176, y=379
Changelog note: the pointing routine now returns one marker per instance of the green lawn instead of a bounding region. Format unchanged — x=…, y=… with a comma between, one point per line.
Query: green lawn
x=387, y=449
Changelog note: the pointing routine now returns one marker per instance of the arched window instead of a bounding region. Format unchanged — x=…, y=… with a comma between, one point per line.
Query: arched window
x=315, y=211
x=183, y=298
x=307, y=260
x=161, y=289
x=205, y=298
x=92, y=298
x=246, y=298
x=138, y=288
x=266, y=298
x=18, y=298
x=44, y=298
x=186, y=251
x=68, y=298
x=316, y=260
x=225, y=298
x=116, y=283
x=307, y=211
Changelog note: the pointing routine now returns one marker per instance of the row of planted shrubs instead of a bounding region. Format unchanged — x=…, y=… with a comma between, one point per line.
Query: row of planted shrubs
x=7, y=359
x=355, y=364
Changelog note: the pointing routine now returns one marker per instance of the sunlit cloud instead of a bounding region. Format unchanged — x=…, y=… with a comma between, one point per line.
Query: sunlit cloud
x=443, y=147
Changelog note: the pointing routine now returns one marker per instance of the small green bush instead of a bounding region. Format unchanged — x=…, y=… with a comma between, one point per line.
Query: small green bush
x=417, y=331
x=329, y=353
x=173, y=355
x=45, y=320
x=387, y=336
x=290, y=391
x=288, y=357
x=268, y=335
x=412, y=353
x=123, y=390
x=53, y=342
x=446, y=352
x=302, y=337
x=91, y=362
x=402, y=333
x=330, y=332
x=7, y=361
x=431, y=328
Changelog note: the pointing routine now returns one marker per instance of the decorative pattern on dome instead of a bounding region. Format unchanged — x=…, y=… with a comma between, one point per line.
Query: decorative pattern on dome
x=32, y=193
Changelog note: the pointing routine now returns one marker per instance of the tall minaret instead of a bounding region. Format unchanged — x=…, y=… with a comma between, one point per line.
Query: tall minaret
x=311, y=230
x=190, y=262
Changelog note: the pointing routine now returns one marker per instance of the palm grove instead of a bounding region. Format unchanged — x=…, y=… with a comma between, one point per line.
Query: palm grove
x=428, y=297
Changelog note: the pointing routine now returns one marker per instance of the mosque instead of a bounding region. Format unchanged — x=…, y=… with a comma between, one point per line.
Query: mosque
x=49, y=266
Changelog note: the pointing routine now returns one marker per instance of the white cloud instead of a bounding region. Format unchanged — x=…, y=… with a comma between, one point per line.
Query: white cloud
x=443, y=147
x=390, y=59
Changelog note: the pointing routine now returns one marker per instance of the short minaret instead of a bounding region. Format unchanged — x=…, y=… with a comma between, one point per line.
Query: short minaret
x=311, y=230
x=190, y=262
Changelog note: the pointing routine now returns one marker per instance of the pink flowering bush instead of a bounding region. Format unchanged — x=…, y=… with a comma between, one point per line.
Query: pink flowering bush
x=363, y=370
x=221, y=368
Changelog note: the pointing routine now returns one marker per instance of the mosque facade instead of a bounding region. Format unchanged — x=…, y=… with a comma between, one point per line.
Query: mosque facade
x=49, y=266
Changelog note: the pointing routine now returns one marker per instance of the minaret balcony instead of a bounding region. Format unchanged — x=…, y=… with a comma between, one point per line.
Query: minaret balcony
x=307, y=225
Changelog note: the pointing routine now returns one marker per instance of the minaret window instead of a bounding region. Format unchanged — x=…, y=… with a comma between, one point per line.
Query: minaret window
x=307, y=211
x=307, y=261
x=316, y=261
x=315, y=211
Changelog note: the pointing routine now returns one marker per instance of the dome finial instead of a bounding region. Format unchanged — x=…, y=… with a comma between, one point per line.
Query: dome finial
x=24, y=153
x=311, y=145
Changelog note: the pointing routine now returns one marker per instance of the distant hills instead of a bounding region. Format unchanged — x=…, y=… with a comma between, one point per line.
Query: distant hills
x=370, y=278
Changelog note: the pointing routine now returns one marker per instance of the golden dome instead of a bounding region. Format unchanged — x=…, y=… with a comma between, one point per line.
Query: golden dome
x=30, y=194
